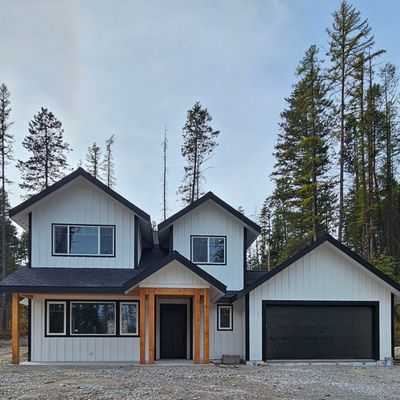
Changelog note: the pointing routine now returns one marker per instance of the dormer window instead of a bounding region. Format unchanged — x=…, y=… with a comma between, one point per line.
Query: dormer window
x=208, y=249
x=84, y=240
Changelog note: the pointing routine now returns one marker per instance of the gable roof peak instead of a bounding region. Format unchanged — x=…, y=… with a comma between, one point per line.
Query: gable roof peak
x=79, y=172
x=217, y=200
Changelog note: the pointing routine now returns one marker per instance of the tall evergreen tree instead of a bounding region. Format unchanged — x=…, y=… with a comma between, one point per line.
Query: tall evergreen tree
x=93, y=160
x=47, y=162
x=349, y=37
x=6, y=141
x=304, y=190
x=108, y=162
x=199, y=142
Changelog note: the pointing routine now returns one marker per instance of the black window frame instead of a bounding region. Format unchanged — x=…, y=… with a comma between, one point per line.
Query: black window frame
x=68, y=225
x=68, y=316
x=230, y=307
x=47, y=318
x=208, y=249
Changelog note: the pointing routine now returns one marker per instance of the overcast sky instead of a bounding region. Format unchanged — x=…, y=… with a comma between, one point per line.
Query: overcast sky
x=132, y=67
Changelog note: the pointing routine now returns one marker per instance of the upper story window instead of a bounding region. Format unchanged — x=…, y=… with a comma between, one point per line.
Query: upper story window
x=208, y=249
x=84, y=240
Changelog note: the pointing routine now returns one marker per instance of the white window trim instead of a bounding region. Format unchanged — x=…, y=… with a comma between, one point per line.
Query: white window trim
x=92, y=302
x=64, y=332
x=98, y=254
x=230, y=308
x=208, y=262
x=136, y=303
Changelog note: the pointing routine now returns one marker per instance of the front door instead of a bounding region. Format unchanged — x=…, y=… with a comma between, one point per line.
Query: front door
x=173, y=331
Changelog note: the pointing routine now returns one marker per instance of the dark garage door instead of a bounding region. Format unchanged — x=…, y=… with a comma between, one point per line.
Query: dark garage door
x=320, y=330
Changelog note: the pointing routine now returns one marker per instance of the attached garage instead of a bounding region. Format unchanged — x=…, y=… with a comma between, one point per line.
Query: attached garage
x=324, y=303
x=309, y=330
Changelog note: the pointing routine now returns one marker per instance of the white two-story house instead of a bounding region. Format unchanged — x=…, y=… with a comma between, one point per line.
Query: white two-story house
x=102, y=286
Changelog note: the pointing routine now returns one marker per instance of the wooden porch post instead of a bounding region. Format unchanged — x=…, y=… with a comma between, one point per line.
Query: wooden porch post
x=197, y=326
x=151, y=325
x=15, y=328
x=142, y=328
x=206, y=326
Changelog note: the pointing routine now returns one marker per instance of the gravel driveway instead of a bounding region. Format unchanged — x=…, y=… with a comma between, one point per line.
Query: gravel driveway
x=198, y=382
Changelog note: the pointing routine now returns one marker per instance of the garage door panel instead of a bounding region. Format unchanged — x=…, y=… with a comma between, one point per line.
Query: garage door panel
x=324, y=331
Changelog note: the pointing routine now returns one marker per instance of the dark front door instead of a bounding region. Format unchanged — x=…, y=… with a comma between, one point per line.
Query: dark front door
x=173, y=331
x=320, y=331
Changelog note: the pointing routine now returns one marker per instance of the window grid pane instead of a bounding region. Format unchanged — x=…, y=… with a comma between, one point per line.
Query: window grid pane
x=56, y=318
x=225, y=318
x=200, y=249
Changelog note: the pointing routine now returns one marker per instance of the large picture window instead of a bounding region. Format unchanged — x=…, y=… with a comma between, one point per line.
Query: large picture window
x=92, y=318
x=84, y=240
x=208, y=249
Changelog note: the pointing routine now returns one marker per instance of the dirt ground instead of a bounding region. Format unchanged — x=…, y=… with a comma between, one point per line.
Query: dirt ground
x=194, y=382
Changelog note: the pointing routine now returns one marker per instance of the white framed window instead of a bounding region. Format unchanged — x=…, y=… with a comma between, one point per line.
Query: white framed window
x=56, y=318
x=83, y=240
x=208, y=249
x=129, y=318
x=224, y=317
x=92, y=318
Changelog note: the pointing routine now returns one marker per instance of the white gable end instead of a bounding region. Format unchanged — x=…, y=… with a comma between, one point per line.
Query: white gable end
x=174, y=275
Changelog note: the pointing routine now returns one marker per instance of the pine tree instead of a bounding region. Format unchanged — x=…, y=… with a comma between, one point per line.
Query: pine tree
x=349, y=37
x=198, y=145
x=108, y=162
x=93, y=160
x=304, y=197
x=48, y=162
x=6, y=141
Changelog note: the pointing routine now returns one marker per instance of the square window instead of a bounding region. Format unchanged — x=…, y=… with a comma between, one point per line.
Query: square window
x=83, y=240
x=56, y=318
x=129, y=319
x=208, y=249
x=225, y=318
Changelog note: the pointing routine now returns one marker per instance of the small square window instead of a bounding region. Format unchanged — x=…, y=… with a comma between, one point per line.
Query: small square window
x=208, y=249
x=56, y=318
x=225, y=317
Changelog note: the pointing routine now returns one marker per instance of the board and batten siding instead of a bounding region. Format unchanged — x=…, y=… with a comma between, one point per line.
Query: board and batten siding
x=80, y=202
x=324, y=274
x=210, y=219
x=78, y=349
x=228, y=342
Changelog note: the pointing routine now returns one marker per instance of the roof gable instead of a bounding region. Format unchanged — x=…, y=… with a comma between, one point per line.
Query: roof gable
x=174, y=256
x=323, y=239
x=80, y=172
x=211, y=197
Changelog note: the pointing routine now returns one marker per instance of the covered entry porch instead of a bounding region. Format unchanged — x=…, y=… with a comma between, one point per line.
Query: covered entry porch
x=174, y=324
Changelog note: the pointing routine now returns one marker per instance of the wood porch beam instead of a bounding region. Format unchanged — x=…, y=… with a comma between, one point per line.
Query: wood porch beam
x=206, y=326
x=197, y=326
x=15, y=328
x=175, y=291
x=151, y=326
x=142, y=327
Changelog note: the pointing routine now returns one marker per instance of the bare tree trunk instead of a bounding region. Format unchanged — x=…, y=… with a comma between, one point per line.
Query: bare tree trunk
x=165, y=146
